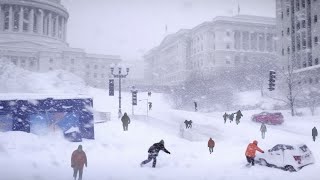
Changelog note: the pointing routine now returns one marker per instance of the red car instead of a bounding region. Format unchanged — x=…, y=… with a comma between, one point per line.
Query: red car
x=268, y=118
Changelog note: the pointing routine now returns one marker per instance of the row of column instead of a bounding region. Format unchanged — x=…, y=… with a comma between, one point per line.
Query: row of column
x=257, y=40
x=46, y=21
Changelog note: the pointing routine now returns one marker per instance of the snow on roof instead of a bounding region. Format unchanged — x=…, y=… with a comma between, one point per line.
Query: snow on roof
x=31, y=96
x=247, y=19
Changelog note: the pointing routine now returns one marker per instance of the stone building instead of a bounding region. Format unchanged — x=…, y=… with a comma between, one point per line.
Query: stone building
x=33, y=36
x=224, y=42
x=298, y=28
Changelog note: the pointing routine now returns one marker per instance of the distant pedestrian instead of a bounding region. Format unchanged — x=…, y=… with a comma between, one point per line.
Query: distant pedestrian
x=263, y=130
x=225, y=116
x=125, y=121
x=211, y=145
x=149, y=93
x=314, y=133
x=238, y=116
x=188, y=124
x=195, y=106
x=231, y=116
x=150, y=106
x=153, y=153
x=78, y=160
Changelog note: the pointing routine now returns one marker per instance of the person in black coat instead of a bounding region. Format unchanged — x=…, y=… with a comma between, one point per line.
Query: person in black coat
x=225, y=116
x=314, y=133
x=153, y=153
x=125, y=121
x=238, y=116
x=231, y=116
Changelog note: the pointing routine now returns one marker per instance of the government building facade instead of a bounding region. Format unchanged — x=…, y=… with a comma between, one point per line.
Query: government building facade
x=33, y=37
x=224, y=42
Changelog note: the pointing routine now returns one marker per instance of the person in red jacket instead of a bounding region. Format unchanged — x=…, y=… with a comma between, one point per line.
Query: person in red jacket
x=251, y=152
x=78, y=160
x=211, y=145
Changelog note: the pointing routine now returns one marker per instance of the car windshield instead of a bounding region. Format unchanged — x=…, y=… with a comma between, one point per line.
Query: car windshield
x=304, y=148
x=282, y=147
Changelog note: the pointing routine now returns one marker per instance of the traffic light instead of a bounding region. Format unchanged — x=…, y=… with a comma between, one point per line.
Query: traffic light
x=111, y=87
x=272, y=80
x=134, y=98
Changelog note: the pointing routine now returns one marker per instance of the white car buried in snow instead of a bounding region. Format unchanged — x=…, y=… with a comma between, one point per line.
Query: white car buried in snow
x=287, y=157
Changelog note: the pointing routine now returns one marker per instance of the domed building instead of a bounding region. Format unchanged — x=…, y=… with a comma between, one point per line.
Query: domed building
x=33, y=37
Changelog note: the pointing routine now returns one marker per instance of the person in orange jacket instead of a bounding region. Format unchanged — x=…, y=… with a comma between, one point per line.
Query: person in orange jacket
x=78, y=160
x=211, y=145
x=251, y=152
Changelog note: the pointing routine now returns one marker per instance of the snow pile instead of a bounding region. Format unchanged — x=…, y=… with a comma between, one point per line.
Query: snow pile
x=16, y=80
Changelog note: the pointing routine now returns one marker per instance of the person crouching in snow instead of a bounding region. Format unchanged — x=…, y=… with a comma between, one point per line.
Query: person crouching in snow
x=251, y=152
x=78, y=160
x=153, y=153
x=211, y=145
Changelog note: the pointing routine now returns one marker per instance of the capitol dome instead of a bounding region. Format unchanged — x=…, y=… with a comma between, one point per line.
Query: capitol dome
x=37, y=21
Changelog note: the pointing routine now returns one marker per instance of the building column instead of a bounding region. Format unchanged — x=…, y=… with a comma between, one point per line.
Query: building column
x=10, y=26
x=265, y=42
x=50, y=24
x=31, y=20
x=40, y=22
x=21, y=19
x=62, y=27
x=240, y=39
x=57, y=27
x=250, y=45
x=258, y=41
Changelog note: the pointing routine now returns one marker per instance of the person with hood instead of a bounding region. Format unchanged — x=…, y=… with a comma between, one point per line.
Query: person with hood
x=78, y=160
x=263, y=130
x=225, y=116
x=211, y=145
x=314, y=133
x=231, y=116
x=125, y=121
x=153, y=153
x=238, y=116
x=251, y=152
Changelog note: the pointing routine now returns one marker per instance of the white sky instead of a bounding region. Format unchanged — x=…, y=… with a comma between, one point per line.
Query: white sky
x=129, y=28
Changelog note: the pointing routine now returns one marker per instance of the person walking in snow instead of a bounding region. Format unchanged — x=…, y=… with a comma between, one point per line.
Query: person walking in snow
x=231, y=116
x=150, y=106
x=225, y=116
x=238, y=116
x=314, y=133
x=251, y=152
x=263, y=130
x=211, y=145
x=78, y=160
x=195, y=106
x=125, y=121
x=153, y=153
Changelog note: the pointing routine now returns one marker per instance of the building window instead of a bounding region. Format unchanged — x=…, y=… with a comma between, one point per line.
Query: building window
x=288, y=11
x=282, y=33
x=51, y=60
x=288, y=31
x=31, y=63
x=228, y=46
x=72, y=61
x=303, y=23
x=304, y=64
x=281, y=14
x=298, y=5
x=304, y=40
x=316, y=61
x=282, y=52
x=288, y=50
x=316, y=40
x=303, y=3
x=298, y=25
x=298, y=42
x=315, y=18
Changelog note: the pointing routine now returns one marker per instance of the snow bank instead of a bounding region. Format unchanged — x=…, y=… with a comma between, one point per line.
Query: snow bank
x=16, y=80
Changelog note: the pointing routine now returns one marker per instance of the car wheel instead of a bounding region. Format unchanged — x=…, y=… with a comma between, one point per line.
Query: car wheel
x=289, y=168
x=263, y=162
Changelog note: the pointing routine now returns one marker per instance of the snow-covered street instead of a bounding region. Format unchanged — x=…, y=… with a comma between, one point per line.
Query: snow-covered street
x=115, y=154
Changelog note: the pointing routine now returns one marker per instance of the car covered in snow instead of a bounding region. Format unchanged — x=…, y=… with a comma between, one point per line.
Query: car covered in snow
x=287, y=157
x=268, y=118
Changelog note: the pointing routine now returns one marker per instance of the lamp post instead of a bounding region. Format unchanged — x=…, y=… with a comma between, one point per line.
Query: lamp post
x=119, y=75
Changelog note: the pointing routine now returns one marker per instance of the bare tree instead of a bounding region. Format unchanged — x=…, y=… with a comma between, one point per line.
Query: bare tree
x=310, y=98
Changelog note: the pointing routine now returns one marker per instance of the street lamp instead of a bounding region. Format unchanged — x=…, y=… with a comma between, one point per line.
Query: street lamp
x=119, y=75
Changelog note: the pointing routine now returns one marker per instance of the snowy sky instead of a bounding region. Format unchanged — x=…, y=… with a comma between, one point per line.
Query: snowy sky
x=129, y=28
